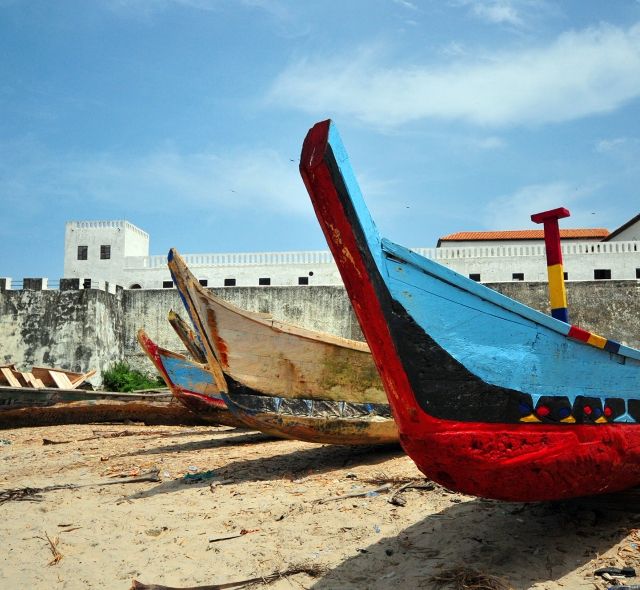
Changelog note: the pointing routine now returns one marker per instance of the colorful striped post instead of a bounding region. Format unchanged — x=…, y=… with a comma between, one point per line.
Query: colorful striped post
x=555, y=269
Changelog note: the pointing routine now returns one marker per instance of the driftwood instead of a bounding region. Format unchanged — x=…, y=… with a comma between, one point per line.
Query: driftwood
x=35, y=494
x=310, y=570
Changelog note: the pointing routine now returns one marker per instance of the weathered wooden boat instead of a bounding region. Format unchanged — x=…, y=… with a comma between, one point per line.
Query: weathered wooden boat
x=190, y=382
x=275, y=358
x=317, y=421
x=22, y=407
x=188, y=337
x=43, y=377
x=491, y=397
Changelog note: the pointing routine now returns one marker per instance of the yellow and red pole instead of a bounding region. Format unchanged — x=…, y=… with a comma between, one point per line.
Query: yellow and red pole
x=555, y=269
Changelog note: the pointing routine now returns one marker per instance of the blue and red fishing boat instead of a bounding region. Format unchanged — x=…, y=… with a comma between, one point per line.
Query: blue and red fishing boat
x=491, y=397
x=191, y=383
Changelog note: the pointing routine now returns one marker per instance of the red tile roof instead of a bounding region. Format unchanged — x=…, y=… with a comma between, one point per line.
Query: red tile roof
x=595, y=233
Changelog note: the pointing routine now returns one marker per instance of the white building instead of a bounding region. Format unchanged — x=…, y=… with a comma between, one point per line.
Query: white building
x=117, y=252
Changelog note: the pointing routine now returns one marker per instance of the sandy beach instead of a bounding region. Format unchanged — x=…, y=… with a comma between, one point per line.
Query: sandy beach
x=250, y=506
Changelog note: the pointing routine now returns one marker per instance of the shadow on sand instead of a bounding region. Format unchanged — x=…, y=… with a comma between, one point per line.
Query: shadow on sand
x=231, y=438
x=522, y=543
x=316, y=459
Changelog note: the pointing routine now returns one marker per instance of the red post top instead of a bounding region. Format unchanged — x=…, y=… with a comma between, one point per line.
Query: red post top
x=558, y=213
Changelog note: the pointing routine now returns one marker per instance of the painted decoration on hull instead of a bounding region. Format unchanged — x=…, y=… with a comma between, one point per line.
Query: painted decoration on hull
x=317, y=421
x=491, y=397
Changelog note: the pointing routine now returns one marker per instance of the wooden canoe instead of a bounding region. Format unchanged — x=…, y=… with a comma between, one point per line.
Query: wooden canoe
x=327, y=422
x=22, y=407
x=491, y=397
x=190, y=382
x=275, y=358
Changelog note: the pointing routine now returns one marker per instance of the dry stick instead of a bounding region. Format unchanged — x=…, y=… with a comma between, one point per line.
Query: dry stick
x=53, y=545
x=312, y=570
x=35, y=494
x=383, y=488
x=233, y=535
x=410, y=485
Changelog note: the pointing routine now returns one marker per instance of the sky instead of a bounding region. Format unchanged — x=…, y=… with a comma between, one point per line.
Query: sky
x=186, y=117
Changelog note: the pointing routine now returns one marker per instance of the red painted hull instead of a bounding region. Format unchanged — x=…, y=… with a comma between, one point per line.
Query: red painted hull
x=515, y=462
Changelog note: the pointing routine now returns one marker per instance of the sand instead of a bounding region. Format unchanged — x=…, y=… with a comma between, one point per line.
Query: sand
x=161, y=532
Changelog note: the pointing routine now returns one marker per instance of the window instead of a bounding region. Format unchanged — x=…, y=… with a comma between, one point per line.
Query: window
x=310, y=273
x=82, y=252
x=229, y=282
x=475, y=276
x=105, y=252
x=264, y=281
x=566, y=276
x=518, y=276
x=86, y=284
x=167, y=284
x=637, y=273
x=135, y=286
x=303, y=280
x=600, y=274
x=203, y=282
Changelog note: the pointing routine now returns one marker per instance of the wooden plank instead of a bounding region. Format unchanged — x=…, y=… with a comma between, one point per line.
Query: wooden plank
x=9, y=377
x=60, y=379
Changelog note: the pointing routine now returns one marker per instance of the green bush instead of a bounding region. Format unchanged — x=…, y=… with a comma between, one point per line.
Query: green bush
x=121, y=377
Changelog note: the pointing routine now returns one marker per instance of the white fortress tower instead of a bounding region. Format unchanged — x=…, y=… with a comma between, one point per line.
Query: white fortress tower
x=97, y=249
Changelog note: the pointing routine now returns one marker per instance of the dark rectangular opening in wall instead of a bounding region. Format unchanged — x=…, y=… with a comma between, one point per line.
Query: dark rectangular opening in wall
x=303, y=280
x=105, y=252
x=82, y=252
x=517, y=276
x=86, y=284
x=601, y=274
x=566, y=276
x=167, y=284
x=203, y=282
x=637, y=273
x=264, y=281
x=475, y=276
x=229, y=282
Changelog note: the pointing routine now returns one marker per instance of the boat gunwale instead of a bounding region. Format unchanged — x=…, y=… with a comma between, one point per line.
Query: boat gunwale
x=459, y=281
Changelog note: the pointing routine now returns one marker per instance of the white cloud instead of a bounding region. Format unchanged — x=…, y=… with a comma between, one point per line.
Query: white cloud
x=513, y=13
x=616, y=144
x=579, y=74
x=497, y=11
x=250, y=180
x=406, y=4
x=514, y=211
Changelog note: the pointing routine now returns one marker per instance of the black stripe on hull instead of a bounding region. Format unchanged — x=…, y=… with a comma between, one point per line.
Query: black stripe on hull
x=442, y=386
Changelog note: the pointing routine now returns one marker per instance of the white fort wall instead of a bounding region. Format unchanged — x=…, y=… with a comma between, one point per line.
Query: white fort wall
x=91, y=329
x=492, y=263
x=129, y=264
